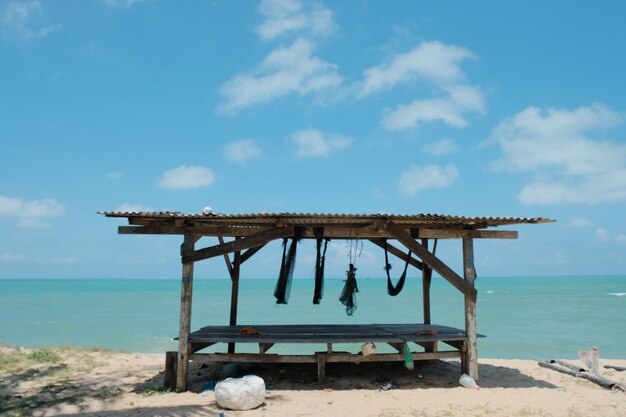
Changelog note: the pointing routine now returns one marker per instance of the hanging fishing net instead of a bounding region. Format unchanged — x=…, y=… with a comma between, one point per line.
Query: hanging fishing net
x=320, y=260
x=288, y=263
x=348, y=297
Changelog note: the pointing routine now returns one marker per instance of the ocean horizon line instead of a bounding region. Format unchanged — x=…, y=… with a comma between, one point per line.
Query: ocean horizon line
x=226, y=278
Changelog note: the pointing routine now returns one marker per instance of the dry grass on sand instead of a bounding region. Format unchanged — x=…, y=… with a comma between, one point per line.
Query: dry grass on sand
x=95, y=382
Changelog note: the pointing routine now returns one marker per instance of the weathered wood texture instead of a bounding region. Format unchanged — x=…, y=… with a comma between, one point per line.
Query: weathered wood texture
x=258, y=239
x=234, y=296
x=184, y=348
x=328, y=333
x=470, y=358
x=334, y=232
x=572, y=370
x=427, y=274
x=334, y=357
x=169, y=376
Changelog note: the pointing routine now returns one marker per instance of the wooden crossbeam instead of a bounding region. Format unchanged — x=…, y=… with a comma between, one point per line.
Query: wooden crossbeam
x=229, y=265
x=238, y=245
x=198, y=229
x=460, y=233
x=397, y=252
x=248, y=254
x=404, y=237
x=330, y=232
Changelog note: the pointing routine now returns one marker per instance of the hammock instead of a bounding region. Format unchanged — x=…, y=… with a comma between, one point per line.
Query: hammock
x=391, y=289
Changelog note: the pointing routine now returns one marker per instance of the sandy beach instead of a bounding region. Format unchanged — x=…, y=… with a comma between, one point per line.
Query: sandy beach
x=92, y=382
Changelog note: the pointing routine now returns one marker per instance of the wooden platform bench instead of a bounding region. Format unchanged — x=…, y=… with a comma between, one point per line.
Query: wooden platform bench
x=396, y=335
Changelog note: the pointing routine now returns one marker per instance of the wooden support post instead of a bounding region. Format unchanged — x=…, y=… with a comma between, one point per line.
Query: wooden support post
x=427, y=274
x=184, y=347
x=234, y=295
x=169, y=377
x=469, y=361
x=321, y=368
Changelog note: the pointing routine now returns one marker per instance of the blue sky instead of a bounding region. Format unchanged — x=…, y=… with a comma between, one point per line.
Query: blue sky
x=465, y=108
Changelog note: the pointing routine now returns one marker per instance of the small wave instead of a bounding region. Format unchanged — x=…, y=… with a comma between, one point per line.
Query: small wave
x=490, y=292
x=618, y=294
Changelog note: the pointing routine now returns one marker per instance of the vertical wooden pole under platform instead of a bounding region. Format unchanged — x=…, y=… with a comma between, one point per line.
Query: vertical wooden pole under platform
x=234, y=295
x=469, y=360
x=427, y=274
x=184, y=347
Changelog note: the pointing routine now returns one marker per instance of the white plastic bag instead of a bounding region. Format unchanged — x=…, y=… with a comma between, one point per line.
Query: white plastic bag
x=468, y=382
x=243, y=393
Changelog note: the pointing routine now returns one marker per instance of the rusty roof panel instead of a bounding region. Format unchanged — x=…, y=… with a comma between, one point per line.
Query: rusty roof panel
x=327, y=218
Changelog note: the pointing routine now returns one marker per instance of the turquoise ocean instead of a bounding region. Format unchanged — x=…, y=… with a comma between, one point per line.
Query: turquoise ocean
x=522, y=317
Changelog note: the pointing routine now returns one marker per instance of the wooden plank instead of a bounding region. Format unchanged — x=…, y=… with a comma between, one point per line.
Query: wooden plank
x=197, y=346
x=239, y=245
x=431, y=260
x=469, y=271
x=397, y=252
x=335, y=357
x=184, y=348
x=197, y=229
x=332, y=231
x=461, y=233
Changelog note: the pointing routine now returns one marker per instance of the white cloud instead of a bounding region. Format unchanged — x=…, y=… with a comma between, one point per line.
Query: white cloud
x=602, y=235
x=289, y=16
x=312, y=143
x=242, y=150
x=568, y=164
x=579, y=222
x=621, y=238
x=17, y=17
x=31, y=213
x=430, y=61
x=460, y=99
x=419, y=178
x=133, y=208
x=185, y=177
x=286, y=70
x=10, y=257
x=441, y=147
x=115, y=175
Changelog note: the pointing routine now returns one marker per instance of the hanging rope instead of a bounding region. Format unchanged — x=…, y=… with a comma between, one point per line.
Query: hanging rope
x=288, y=263
x=391, y=289
x=348, y=297
x=319, y=264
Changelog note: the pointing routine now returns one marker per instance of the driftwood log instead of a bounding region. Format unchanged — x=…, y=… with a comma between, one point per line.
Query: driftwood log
x=617, y=368
x=575, y=371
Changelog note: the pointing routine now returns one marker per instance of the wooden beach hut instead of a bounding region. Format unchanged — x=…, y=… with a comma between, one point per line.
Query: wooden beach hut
x=240, y=236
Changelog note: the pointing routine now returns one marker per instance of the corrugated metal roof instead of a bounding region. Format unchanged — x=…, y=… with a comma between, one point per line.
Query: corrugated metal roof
x=310, y=218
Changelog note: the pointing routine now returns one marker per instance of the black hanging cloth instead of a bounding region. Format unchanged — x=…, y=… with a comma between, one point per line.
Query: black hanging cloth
x=391, y=289
x=319, y=264
x=348, y=297
x=288, y=263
